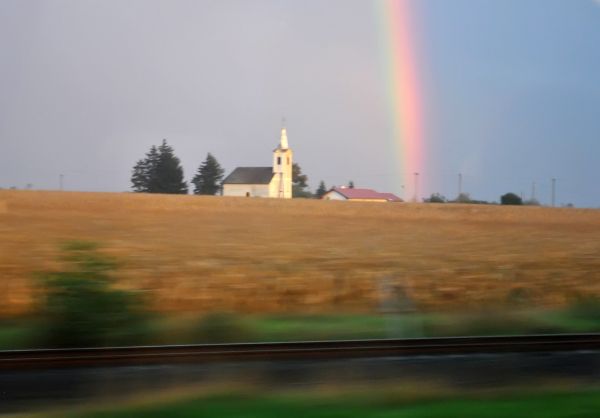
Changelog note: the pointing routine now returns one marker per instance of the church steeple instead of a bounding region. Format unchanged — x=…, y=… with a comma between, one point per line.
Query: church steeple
x=283, y=141
x=282, y=167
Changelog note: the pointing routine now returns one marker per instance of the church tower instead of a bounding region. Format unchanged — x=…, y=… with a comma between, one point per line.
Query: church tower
x=282, y=168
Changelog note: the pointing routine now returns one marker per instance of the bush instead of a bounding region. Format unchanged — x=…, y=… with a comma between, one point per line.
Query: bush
x=463, y=198
x=436, y=198
x=82, y=309
x=510, y=199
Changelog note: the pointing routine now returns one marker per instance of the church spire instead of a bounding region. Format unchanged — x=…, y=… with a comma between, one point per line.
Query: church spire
x=283, y=142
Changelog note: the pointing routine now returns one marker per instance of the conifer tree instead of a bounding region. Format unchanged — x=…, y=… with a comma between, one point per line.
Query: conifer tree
x=209, y=176
x=159, y=172
x=144, y=171
x=321, y=190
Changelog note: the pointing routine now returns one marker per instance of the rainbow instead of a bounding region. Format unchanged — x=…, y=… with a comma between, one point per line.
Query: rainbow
x=398, y=50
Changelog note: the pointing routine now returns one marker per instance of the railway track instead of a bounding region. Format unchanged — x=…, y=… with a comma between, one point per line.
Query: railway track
x=302, y=350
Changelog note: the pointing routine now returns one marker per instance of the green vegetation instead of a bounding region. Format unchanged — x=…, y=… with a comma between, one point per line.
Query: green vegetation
x=586, y=308
x=299, y=182
x=541, y=405
x=511, y=199
x=209, y=177
x=321, y=190
x=228, y=327
x=159, y=172
x=436, y=198
x=82, y=308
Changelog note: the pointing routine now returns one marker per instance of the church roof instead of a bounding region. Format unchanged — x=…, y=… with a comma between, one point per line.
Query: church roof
x=250, y=175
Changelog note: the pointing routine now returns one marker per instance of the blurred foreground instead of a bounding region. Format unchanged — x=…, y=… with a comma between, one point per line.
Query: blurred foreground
x=368, y=402
x=81, y=304
x=397, y=382
x=584, y=404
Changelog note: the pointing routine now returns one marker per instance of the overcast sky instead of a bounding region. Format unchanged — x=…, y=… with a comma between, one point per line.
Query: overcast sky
x=511, y=91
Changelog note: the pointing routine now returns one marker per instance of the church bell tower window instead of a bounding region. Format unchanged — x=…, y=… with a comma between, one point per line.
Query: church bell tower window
x=278, y=160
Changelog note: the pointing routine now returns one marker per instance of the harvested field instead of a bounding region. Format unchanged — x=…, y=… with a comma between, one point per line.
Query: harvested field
x=196, y=254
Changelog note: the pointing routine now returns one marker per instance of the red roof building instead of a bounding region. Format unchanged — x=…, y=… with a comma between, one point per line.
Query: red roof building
x=359, y=195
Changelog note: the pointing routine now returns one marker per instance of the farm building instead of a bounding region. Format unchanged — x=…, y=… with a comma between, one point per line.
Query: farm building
x=359, y=195
x=275, y=181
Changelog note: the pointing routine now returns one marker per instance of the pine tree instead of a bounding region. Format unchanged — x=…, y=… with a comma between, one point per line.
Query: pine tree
x=351, y=184
x=321, y=190
x=139, y=178
x=144, y=171
x=208, y=177
x=169, y=173
x=159, y=172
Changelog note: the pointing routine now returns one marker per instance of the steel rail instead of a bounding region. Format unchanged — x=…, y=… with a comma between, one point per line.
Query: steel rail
x=300, y=350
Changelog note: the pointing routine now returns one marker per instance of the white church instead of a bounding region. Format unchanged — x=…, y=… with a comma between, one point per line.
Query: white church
x=275, y=181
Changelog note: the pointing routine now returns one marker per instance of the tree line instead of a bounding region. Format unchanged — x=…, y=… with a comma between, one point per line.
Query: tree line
x=160, y=171
x=506, y=199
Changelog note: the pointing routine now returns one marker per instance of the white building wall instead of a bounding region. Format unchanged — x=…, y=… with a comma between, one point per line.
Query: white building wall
x=274, y=186
x=254, y=190
x=333, y=195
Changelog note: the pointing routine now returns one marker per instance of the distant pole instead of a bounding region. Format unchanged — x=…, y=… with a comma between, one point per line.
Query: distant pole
x=416, y=199
x=459, y=184
x=553, y=192
x=533, y=191
x=60, y=181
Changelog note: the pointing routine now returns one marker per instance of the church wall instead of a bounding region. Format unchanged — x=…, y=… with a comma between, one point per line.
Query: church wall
x=255, y=190
x=274, y=187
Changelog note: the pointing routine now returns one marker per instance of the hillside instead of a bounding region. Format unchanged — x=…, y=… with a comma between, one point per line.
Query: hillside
x=190, y=253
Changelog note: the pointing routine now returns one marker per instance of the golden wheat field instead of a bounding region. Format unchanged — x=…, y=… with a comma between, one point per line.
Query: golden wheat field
x=198, y=254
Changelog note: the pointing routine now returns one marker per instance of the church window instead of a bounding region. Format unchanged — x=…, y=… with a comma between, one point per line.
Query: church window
x=288, y=160
x=278, y=160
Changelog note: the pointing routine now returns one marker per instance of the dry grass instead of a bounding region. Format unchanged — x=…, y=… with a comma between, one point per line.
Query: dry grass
x=194, y=253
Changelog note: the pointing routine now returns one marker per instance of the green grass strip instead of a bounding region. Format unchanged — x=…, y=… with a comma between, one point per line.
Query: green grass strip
x=551, y=405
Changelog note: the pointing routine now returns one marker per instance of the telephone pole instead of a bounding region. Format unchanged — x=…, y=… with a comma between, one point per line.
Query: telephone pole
x=459, y=184
x=553, y=192
x=416, y=198
x=60, y=181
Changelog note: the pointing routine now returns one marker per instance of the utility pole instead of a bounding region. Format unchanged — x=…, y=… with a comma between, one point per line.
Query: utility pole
x=60, y=181
x=459, y=184
x=533, y=192
x=416, y=199
x=553, y=192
